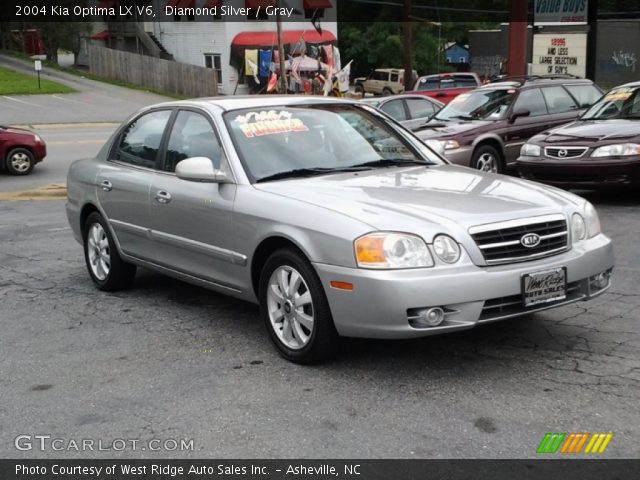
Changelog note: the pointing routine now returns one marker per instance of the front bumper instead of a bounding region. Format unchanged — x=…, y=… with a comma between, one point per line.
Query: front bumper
x=590, y=173
x=381, y=302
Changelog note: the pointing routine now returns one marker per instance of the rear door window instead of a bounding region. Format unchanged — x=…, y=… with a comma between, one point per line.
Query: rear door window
x=141, y=139
x=585, y=95
x=558, y=100
x=394, y=109
x=419, y=108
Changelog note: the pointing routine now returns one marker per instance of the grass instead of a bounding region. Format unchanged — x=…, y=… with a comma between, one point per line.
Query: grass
x=15, y=83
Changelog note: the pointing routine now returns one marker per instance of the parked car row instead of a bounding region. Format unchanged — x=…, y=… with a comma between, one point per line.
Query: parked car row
x=556, y=130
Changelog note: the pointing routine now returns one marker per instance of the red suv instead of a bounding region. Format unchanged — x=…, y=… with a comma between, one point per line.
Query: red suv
x=20, y=150
x=444, y=87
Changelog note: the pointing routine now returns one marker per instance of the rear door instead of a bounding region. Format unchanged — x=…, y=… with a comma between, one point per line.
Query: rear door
x=123, y=182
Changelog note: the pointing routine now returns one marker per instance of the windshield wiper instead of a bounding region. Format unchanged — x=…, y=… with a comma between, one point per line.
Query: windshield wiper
x=389, y=162
x=463, y=117
x=308, y=172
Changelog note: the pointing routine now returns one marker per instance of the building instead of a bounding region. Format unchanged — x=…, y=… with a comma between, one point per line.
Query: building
x=456, y=54
x=218, y=42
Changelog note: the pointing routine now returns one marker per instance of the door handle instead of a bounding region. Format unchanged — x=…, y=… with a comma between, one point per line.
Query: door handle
x=163, y=197
x=106, y=186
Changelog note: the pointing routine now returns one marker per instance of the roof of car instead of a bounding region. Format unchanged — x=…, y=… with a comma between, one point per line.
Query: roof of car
x=257, y=101
x=537, y=80
x=630, y=85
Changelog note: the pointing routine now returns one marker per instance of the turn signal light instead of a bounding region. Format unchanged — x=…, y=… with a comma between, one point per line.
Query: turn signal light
x=370, y=250
x=341, y=285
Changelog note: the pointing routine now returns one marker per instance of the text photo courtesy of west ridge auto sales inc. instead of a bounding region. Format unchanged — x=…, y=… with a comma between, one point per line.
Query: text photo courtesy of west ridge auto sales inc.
x=318, y=239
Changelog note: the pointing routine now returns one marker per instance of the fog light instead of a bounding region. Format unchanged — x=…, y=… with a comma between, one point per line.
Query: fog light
x=432, y=316
x=600, y=281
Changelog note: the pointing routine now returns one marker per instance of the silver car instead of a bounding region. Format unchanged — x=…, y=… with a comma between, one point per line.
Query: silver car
x=335, y=219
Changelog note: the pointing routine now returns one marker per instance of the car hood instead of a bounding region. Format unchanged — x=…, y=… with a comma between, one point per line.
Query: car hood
x=431, y=197
x=594, y=131
x=19, y=131
x=438, y=128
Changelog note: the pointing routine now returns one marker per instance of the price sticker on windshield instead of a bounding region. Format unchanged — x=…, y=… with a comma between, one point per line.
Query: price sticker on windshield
x=257, y=124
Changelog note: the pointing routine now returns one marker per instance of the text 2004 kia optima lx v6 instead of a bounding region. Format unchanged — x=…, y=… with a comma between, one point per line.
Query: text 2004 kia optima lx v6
x=335, y=219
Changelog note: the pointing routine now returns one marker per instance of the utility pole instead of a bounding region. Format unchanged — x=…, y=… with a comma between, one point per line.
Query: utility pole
x=283, y=76
x=407, y=43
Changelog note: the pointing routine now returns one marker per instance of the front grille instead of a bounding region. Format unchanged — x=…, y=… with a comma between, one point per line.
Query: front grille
x=513, y=305
x=502, y=242
x=565, y=152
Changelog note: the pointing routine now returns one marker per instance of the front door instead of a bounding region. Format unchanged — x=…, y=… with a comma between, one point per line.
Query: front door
x=191, y=221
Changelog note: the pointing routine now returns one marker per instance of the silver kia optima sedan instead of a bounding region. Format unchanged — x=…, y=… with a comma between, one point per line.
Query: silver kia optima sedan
x=337, y=221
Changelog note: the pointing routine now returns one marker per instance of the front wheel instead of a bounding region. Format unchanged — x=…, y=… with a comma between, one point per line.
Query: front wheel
x=106, y=268
x=20, y=161
x=295, y=309
x=487, y=159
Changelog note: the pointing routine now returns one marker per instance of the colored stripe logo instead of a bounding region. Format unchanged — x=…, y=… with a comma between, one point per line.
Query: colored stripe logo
x=572, y=443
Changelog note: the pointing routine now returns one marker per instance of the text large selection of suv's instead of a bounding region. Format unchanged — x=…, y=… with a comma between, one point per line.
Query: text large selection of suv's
x=601, y=148
x=486, y=127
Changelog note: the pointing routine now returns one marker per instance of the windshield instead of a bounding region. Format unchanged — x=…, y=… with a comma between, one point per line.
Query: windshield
x=320, y=139
x=478, y=105
x=618, y=103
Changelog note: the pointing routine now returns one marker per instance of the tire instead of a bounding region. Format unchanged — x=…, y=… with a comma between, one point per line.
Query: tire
x=313, y=340
x=359, y=89
x=386, y=91
x=19, y=161
x=487, y=159
x=104, y=264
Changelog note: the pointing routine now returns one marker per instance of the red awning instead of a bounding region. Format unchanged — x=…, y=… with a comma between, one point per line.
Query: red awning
x=259, y=3
x=212, y=3
x=316, y=4
x=103, y=35
x=288, y=36
x=181, y=3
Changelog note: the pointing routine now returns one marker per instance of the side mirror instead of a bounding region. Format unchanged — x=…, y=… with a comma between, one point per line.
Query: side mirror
x=521, y=112
x=200, y=169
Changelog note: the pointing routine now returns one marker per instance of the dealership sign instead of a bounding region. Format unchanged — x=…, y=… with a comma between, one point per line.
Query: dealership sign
x=557, y=12
x=557, y=54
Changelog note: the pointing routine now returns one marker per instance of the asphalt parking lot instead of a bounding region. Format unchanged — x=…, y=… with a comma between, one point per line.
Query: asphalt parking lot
x=166, y=360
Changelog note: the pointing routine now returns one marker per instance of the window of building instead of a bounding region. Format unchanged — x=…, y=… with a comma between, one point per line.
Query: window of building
x=462, y=60
x=214, y=61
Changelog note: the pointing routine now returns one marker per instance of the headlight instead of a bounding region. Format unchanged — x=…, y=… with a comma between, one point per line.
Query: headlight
x=530, y=150
x=436, y=145
x=593, y=222
x=37, y=138
x=578, y=228
x=446, y=248
x=618, y=150
x=386, y=250
x=449, y=144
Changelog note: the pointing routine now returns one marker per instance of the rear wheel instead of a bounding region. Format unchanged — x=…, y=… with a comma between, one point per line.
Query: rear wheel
x=359, y=89
x=106, y=268
x=487, y=159
x=19, y=161
x=295, y=308
x=386, y=91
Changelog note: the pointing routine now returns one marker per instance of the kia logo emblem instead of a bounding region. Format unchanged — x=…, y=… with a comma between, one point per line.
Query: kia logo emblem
x=562, y=153
x=530, y=240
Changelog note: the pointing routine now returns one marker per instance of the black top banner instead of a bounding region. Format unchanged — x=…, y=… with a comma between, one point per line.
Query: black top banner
x=320, y=469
